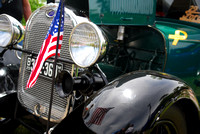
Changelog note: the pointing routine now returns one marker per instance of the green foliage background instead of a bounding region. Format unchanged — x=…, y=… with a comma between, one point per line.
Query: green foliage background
x=35, y=4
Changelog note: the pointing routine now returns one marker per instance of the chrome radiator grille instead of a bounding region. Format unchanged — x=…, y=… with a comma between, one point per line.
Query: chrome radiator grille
x=36, y=99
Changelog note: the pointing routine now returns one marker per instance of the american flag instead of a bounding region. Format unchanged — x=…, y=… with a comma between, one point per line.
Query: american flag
x=48, y=48
x=98, y=115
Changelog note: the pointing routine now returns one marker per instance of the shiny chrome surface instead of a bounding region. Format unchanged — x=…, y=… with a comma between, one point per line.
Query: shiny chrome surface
x=11, y=30
x=86, y=44
x=36, y=99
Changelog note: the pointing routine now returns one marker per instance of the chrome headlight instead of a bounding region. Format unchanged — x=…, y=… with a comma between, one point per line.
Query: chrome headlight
x=11, y=30
x=86, y=44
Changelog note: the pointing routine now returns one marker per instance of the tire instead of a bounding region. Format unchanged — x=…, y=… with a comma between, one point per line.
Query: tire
x=173, y=121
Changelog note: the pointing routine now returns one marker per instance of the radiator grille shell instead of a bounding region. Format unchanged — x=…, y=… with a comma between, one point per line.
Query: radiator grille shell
x=36, y=100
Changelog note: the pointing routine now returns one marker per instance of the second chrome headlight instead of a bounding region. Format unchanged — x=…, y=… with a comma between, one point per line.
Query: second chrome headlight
x=11, y=30
x=86, y=44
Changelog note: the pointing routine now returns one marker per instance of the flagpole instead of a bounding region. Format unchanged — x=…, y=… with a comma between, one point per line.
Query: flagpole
x=54, y=67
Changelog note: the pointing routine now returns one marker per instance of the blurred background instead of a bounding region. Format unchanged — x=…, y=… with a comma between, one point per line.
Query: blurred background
x=34, y=5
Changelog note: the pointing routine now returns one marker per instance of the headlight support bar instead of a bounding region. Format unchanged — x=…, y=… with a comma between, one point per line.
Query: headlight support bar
x=35, y=54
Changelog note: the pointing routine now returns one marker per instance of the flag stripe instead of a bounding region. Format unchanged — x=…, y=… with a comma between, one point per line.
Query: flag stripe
x=54, y=47
x=98, y=115
x=48, y=48
x=55, y=38
x=37, y=67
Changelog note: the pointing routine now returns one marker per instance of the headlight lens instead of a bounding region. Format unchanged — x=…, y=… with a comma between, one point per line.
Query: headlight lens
x=11, y=31
x=5, y=31
x=86, y=44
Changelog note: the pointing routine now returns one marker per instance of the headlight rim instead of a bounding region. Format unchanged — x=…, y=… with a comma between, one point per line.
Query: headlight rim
x=101, y=41
x=14, y=25
x=11, y=27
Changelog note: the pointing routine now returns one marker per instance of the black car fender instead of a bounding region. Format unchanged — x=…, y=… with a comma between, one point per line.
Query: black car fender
x=135, y=101
x=9, y=71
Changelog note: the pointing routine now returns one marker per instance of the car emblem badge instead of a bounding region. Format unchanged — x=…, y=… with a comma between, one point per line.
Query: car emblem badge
x=39, y=109
x=50, y=13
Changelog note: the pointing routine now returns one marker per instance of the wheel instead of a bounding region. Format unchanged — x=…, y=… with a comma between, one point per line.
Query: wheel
x=173, y=121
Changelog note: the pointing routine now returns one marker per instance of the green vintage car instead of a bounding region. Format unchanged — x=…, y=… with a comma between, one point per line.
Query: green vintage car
x=125, y=67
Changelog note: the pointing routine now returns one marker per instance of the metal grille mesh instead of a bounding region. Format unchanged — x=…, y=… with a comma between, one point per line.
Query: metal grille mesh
x=38, y=97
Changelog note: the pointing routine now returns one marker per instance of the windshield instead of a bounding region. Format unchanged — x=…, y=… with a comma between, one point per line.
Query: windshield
x=184, y=10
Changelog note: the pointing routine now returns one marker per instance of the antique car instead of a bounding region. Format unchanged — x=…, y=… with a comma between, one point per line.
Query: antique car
x=125, y=66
